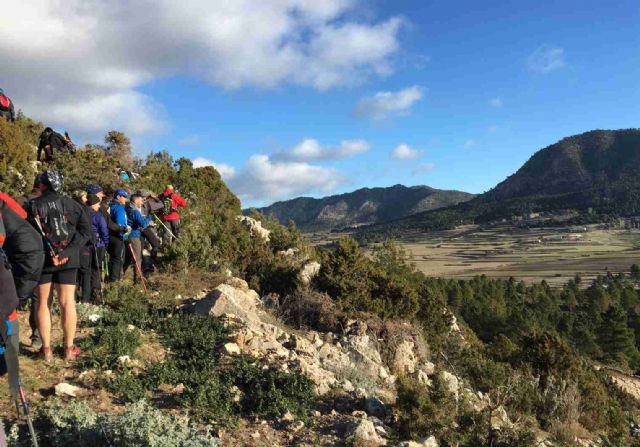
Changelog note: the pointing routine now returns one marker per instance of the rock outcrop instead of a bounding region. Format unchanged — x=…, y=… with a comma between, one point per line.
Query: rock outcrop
x=255, y=227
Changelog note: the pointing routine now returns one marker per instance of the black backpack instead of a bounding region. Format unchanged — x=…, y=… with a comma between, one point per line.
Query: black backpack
x=52, y=223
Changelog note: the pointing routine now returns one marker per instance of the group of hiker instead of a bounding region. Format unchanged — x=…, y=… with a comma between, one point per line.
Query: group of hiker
x=53, y=242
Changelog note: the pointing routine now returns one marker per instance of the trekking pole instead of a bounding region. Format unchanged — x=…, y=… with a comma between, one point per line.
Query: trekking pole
x=165, y=227
x=25, y=409
x=138, y=269
x=15, y=384
x=99, y=267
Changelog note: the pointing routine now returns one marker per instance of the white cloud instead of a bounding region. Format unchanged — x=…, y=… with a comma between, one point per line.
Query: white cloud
x=496, y=103
x=470, y=143
x=226, y=171
x=311, y=150
x=405, y=152
x=383, y=104
x=79, y=64
x=265, y=180
x=423, y=168
x=190, y=140
x=546, y=59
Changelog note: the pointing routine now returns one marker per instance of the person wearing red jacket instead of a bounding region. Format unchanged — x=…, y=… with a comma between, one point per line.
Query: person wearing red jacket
x=171, y=201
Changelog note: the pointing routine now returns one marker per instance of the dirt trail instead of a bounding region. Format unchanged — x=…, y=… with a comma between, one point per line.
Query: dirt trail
x=629, y=383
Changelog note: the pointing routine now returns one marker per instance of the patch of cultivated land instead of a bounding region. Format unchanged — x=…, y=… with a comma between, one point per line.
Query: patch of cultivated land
x=555, y=255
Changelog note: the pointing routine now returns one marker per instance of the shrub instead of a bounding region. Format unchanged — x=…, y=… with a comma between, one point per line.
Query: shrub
x=108, y=343
x=310, y=310
x=140, y=425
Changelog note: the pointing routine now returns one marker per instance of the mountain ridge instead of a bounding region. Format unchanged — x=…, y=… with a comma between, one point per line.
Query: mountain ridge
x=363, y=206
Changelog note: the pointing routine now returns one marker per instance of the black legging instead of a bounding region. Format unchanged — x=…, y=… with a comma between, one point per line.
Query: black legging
x=84, y=273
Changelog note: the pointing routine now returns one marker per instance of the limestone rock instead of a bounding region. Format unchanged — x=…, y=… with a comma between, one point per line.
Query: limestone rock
x=255, y=227
x=309, y=271
x=404, y=359
x=453, y=383
x=428, y=442
x=232, y=349
x=65, y=389
x=229, y=299
x=365, y=433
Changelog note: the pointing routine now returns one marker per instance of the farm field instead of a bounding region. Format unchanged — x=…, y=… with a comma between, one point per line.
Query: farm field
x=555, y=255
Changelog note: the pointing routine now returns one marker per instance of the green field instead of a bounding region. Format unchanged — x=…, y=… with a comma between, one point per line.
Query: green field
x=555, y=255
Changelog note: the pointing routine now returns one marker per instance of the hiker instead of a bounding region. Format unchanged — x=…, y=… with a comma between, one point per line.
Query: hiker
x=31, y=300
x=65, y=229
x=150, y=240
x=171, y=202
x=138, y=223
x=51, y=141
x=100, y=232
x=118, y=235
x=86, y=254
x=6, y=107
x=21, y=259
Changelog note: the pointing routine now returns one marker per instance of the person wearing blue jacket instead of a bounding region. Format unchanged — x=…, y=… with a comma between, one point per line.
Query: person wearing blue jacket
x=118, y=234
x=100, y=230
x=137, y=222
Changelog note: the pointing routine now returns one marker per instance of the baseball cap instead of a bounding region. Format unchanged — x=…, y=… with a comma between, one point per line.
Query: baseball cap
x=120, y=192
x=94, y=189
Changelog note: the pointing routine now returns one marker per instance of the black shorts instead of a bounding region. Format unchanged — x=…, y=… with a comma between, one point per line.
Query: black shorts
x=67, y=276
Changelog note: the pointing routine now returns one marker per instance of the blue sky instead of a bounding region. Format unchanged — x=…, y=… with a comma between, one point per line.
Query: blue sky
x=471, y=89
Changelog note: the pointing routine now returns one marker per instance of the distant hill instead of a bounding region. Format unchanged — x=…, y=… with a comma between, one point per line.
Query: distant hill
x=362, y=207
x=597, y=170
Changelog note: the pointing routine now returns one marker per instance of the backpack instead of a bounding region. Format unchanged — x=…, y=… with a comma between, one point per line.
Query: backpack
x=5, y=103
x=167, y=205
x=52, y=223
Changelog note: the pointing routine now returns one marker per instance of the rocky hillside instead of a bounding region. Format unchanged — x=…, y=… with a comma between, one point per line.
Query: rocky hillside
x=362, y=207
x=589, y=161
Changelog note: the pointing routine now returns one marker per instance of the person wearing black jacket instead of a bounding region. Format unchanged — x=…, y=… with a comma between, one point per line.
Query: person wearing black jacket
x=65, y=229
x=50, y=141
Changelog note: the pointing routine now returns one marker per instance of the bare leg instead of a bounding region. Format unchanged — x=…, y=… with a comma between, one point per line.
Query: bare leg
x=66, y=298
x=44, y=314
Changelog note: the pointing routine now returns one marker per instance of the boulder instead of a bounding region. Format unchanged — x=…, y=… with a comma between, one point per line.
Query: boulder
x=232, y=349
x=427, y=442
x=255, y=228
x=309, y=271
x=404, y=360
x=365, y=433
x=234, y=299
x=453, y=383
x=67, y=390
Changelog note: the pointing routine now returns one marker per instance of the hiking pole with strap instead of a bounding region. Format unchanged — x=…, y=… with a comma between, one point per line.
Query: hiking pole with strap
x=13, y=372
x=138, y=269
x=99, y=267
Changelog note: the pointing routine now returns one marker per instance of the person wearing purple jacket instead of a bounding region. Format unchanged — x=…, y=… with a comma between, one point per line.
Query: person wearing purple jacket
x=100, y=232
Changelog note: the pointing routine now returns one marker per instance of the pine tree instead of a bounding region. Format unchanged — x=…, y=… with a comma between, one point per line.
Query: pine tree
x=615, y=338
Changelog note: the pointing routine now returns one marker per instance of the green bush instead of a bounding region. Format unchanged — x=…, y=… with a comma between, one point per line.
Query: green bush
x=103, y=348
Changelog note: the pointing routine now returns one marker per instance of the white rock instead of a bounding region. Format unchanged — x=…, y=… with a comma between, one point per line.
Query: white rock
x=404, y=359
x=65, y=389
x=428, y=442
x=309, y=271
x=131, y=327
x=423, y=378
x=453, y=383
x=124, y=360
x=429, y=368
x=94, y=318
x=365, y=433
x=232, y=349
x=255, y=227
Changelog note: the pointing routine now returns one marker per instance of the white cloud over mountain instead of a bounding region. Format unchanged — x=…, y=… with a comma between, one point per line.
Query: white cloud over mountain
x=384, y=104
x=79, y=64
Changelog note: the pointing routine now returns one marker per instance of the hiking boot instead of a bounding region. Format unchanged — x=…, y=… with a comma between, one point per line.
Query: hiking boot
x=47, y=354
x=71, y=353
x=36, y=342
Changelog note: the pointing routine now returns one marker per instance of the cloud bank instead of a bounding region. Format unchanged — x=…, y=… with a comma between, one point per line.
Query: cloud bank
x=384, y=104
x=80, y=64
